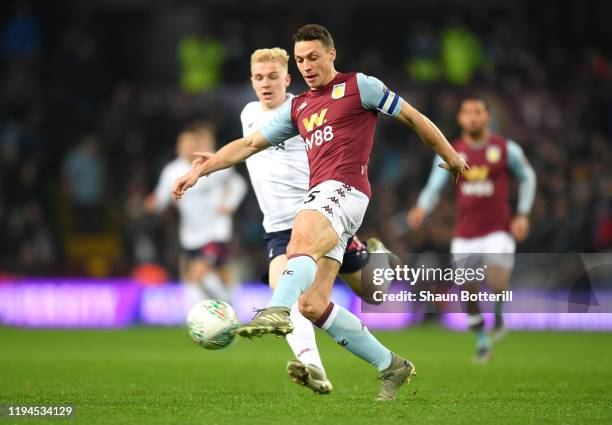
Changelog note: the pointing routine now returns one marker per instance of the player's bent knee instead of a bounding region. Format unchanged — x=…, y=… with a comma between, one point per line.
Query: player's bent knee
x=302, y=242
x=311, y=243
x=299, y=246
x=311, y=307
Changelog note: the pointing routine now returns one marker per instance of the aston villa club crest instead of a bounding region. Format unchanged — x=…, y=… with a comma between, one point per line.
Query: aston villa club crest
x=338, y=91
x=493, y=154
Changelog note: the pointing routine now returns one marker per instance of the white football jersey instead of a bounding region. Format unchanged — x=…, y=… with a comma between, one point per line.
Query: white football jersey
x=201, y=220
x=280, y=175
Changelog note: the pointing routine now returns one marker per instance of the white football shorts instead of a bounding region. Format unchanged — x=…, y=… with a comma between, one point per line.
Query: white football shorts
x=343, y=205
x=496, y=248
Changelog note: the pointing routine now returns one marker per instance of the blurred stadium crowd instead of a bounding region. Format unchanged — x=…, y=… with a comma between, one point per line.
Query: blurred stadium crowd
x=94, y=93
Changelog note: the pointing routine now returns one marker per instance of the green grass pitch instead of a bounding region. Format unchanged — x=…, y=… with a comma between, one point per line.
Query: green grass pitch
x=157, y=376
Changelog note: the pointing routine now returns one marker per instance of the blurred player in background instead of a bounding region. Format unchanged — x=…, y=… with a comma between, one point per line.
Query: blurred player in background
x=484, y=224
x=280, y=177
x=205, y=215
x=336, y=118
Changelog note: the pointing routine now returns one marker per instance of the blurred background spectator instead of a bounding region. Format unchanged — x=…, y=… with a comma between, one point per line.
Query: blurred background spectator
x=84, y=175
x=94, y=92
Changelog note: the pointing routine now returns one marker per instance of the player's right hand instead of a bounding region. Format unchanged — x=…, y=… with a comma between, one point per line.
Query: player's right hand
x=415, y=218
x=201, y=158
x=183, y=183
x=456, y=167
x=519, y=227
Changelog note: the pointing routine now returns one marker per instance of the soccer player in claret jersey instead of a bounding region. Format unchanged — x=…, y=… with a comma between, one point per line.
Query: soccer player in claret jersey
x=280, y=178
x=483, y=224
x=336, y=118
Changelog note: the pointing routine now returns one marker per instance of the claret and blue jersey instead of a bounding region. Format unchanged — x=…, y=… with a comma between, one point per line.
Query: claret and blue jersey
x=337, y=123
x=482, y=192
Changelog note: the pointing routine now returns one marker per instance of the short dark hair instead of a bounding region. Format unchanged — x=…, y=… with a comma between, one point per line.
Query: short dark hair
x=478, y=98
x=312, y=32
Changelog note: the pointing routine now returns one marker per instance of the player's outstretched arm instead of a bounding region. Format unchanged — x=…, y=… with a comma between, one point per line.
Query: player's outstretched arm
x=522, y=170
x=229, y=155
x=233, y=153
x=376, y=96
x=433, y=137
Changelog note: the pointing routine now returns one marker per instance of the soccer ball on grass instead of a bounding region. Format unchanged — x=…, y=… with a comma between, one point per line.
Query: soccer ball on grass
x=211, y=324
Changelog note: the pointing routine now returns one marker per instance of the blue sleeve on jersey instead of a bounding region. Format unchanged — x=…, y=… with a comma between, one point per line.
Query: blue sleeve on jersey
x=375, y=95
x=280, y=127
x=431, y=193
x=520, y=167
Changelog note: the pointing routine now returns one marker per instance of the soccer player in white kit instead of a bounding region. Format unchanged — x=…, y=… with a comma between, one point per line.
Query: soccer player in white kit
x=205, y=215
x=280, y=178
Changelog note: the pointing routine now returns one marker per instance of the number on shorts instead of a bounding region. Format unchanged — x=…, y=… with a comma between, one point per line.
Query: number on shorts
x=311, y=196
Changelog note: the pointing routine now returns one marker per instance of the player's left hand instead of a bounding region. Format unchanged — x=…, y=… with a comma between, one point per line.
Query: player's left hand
x=519, y=227
x=201, y=158
x=183, y=183
x=456, y=167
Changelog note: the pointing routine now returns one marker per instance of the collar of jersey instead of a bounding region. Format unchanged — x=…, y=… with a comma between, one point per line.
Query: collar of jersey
x=338, y=78
x=477, y=145
x=288, y=97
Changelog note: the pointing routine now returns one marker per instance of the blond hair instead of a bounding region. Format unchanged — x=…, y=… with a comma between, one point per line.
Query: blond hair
x=274, y=54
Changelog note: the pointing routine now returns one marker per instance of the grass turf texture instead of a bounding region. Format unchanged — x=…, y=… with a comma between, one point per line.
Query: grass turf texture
x=157, y=376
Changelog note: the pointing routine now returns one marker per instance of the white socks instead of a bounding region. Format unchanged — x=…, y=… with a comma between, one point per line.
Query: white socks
x=215, y=288
x=302, y=340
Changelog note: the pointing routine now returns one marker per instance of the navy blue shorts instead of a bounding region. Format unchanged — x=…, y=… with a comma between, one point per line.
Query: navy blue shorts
x=355, y=256
x=214, y=253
